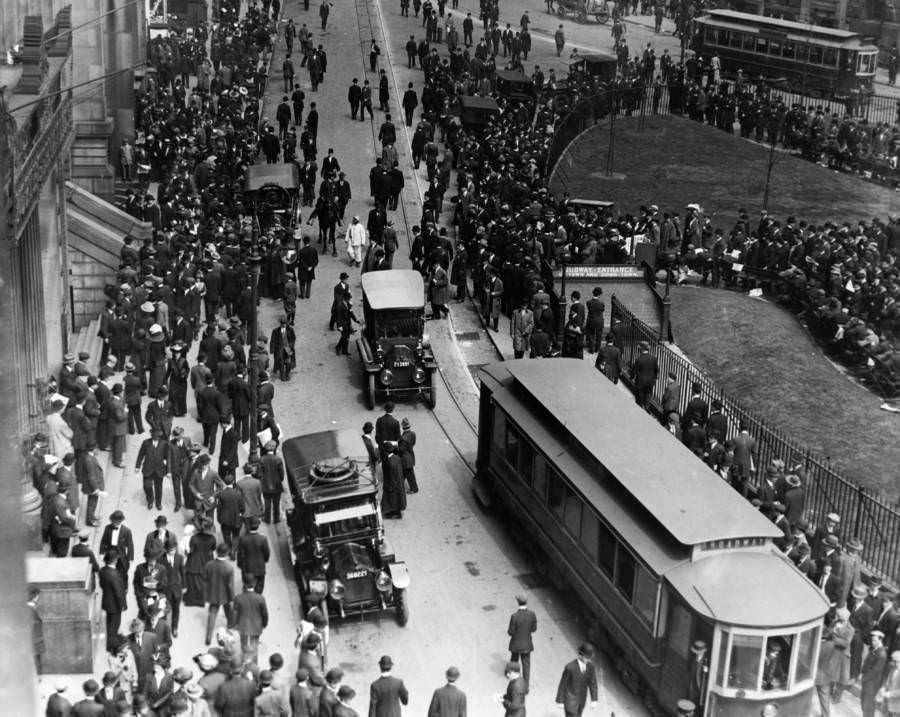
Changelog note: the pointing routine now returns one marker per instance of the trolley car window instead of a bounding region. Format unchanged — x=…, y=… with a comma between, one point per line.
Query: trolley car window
x=526, y=461
x=788, y=50
x=556, y=492
x=830, y=57
x=803, y=53
x=645, y=589
x=815, y=54
x=540, y=477
x=750, y=43
x=573, y=514
x=723, y=659
x=746, y=660
x=499, y=429
x=775, y=48
x=806, y=647
x=762, y=45
x=589, y=532
x=625, y=570
x=513, y=441
x=736, y=40
x=606, y=550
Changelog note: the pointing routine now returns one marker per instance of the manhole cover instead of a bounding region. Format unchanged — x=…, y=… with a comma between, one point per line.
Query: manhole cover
x=532, y=580
x=468, y=335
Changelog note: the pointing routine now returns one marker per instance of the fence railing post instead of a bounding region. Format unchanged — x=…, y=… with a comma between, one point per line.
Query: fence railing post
x=857, y=519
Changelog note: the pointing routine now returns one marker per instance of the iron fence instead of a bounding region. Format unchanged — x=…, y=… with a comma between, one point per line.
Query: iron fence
x=864, y=515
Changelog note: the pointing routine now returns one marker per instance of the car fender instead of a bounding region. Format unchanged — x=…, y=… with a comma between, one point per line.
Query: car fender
x=365, y=353
x=399, y=575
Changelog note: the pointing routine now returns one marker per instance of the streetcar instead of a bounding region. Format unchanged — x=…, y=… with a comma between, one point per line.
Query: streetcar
x=661, y=551
x=819, y=61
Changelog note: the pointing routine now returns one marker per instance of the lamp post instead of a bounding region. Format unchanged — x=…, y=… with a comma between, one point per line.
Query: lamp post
x=255, y=260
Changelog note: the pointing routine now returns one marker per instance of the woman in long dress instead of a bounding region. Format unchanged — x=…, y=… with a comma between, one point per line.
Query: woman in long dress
x=201, y=546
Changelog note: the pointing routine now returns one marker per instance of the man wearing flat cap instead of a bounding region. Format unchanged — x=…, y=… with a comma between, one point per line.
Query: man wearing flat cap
x=522, y=625
x=579, y=678
x=387, y=693
x=449, y=700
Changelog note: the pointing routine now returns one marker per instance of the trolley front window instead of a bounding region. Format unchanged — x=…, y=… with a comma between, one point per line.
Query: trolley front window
x=806, y=648
x=746, y=662
x=866, y=63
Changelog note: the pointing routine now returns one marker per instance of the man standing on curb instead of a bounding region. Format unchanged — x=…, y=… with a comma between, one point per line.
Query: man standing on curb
x=522, y=625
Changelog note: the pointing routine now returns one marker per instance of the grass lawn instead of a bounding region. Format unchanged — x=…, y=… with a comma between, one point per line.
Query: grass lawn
x=674, y=161
x=759, y=353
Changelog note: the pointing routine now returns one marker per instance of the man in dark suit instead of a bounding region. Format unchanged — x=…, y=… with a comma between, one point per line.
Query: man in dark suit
x=210, y=409
x=173, y=562
x=157, y=539
x=143, y=646
x=282, y=345
x=644, y=372
x=159, y=413
x=110, y=694
x=88, y=707
x=449, y=700
x=872, y=673
x=253, y=554
x=578, y=310
x=153, y=460
x=250, y=616
x=228, y=448
x=328, y=696
x=117, y=535
x=218, y=588
x=345, y=695
x=387, y=428
x=57, y=704
x=593, y=328
x=338, y=296
x=229, y=512
x=516, y=689
x=696, y=409
x=239, y=394
x=307, y=261
x=522, y=625
x=578, y=679
x=149, y=582
x=271, y=479
x=387, y=693
x=717, y=423
x=237, y=694
x=609, y=359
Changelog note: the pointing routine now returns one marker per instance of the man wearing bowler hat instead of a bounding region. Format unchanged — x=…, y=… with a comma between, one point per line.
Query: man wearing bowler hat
x=449, y=700
x=698, y=673
x=387, y=693
x=522, y=624
x=578, y=679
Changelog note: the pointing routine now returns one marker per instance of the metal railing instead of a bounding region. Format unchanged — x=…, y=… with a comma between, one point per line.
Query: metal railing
x=866, y=516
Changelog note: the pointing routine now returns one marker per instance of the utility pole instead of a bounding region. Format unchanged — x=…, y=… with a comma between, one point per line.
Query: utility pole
x=612, y=133
x=255, y=259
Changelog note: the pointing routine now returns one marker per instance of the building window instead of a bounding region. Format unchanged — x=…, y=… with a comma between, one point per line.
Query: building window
x=573, y=514
x=645, y=590
x=625, y=570
x=556, y=492
x=746, y=658
x=606, y=550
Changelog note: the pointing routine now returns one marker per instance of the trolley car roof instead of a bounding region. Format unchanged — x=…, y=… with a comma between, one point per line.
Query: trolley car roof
x=749, y=589
x=683, y=494
x=259, y=175
x=394, y=289
x=748, y=22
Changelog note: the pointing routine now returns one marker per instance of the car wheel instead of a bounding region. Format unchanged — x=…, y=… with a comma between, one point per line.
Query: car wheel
x=370, y=391
x=431, y=395
x=401, y=602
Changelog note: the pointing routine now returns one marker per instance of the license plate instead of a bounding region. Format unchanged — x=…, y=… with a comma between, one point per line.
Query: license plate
x=357, y=574
x=400, y=364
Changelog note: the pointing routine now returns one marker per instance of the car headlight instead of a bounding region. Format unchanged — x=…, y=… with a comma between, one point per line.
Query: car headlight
x=383, y=582
x=336, y=590
x=318, y=587
x=386, y=376
x=418, y=375
x=319, y=551
x=379, y=353
x=426, y=341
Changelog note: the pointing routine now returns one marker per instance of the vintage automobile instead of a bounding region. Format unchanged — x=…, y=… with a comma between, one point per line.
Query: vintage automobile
x=598, y=65
x=396, y=356
x=273, y=192
x=515, y=85
x=476, y=112
x=581, y=9
x=342, y=560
